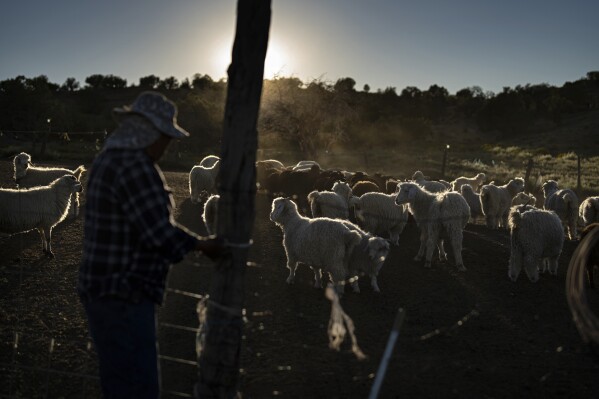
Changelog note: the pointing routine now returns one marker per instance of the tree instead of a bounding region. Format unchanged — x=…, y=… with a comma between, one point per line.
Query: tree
x=95, y=81
x=366, y=88
x=149, y=82
x=222, y=330
x=185, y=84
x=170, y=83
x=71, y=85
x=345, y=85
x=201, y=82
x=114, y=82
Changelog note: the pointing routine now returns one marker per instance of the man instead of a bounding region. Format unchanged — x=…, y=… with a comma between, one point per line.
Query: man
x=130, y=241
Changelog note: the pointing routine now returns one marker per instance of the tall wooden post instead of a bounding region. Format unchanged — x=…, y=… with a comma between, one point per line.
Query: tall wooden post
x=445, y=150
x=578, y=180
x=527, y=185
x=219, y=359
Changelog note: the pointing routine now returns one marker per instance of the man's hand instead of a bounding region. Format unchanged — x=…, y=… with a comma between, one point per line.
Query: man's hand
x=213, y=247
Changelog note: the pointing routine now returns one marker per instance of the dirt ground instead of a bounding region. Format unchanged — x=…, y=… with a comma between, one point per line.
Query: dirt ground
x=466, y=335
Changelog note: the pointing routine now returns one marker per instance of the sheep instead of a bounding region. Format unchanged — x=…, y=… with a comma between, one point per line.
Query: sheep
x=593, y=256
x=475, y=182
x=40, y=208
x=495, y=201
x=537, y=239
x=27, y=175
x=210, y=214
x=271, y=164
x=327, y=179
x=524, y=199
x=367, y=257
x=209, y=160
x=297, y=184
x=436, y=214
x=332, y=204
x=322, y=243
x=589, y=211
x=363, y=187
x=378, y=214
x=305, y=165
x=564, y=203
x=202, y=181
x=428, y=185
x=473, y=200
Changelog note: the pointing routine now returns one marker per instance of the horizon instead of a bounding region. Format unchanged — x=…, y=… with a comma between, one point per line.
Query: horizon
x=384, y=44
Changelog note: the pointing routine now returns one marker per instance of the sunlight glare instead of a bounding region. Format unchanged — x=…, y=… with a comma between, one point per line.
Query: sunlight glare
x=275, y=63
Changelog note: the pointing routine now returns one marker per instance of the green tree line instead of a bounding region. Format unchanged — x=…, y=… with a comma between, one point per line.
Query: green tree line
x=308, y=116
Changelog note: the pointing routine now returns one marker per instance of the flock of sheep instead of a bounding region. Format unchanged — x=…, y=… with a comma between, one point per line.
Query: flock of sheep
x=343, y=223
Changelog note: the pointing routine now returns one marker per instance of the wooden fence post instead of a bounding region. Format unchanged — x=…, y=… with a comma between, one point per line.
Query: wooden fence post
x=578, y=181
x=444, y=161
x=218, y=375
x=527, y=184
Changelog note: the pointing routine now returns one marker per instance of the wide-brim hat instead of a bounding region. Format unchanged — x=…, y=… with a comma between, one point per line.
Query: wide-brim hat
x=157, y=109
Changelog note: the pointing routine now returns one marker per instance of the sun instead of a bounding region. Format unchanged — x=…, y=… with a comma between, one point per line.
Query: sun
x=276, y=60
x=274, y=64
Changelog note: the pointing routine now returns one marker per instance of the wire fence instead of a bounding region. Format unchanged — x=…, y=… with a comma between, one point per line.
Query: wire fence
x=47, y=369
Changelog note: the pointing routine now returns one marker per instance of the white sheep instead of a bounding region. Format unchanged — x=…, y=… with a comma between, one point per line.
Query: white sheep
x=368, y=257
x=475, y=182
x=564, y=203
x=321, y=243
x=524, y=199
x=305, y=165
x=537, y=238
x=332, y=204
x=429, y=185
x=209, y=160
x=27, y=175
x=210, y=214
x=495, y=201
x=589, y=211
x=40, y=208
x=271, y=164
x=378, y=214
x=437, y=215
x=473, y=200
x=202, y=181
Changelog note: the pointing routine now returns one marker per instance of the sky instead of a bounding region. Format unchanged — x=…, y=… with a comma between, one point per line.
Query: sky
x=382, y=43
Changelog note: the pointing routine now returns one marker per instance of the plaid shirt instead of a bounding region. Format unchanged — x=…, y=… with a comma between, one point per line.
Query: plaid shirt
x=131, y=238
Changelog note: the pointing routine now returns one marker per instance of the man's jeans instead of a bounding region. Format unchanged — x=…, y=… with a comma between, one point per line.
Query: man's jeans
x=124, y=335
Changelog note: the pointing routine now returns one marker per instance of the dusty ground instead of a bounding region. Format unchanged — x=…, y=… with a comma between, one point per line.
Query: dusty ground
x=466, y=335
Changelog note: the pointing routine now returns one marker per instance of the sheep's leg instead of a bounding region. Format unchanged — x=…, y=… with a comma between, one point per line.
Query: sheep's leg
x=355, y=285
x=338, y=278
x=572, y=230
x=491, y=221
x=552, y=262
x=317, y=277
x=394, y=237
x=543, y=265
x=441, y=248
x=374, y=283
x=49, y=244
x=291, y=265
x=456, y=236
x=44, y=242
x=433, y=237
x=423, y=239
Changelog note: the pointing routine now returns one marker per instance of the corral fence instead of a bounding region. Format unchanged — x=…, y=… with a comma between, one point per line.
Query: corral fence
x=47, y=368
x=39, y=362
